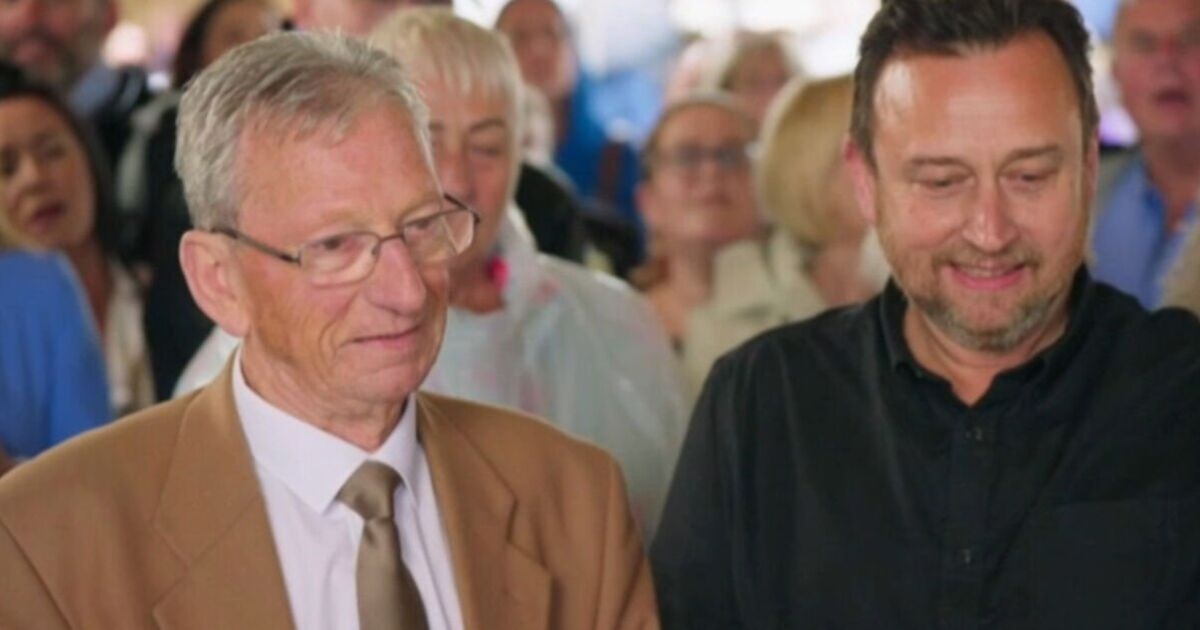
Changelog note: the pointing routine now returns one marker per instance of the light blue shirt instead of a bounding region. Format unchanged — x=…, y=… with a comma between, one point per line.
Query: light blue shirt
x=1134, y=249
x=52, y=380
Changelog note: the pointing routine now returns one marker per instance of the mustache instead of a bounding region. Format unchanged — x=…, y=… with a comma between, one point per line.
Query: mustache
x=967, y=255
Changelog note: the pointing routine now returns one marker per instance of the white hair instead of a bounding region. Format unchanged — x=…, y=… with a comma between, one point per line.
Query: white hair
x=292, y=84
x=464, y=57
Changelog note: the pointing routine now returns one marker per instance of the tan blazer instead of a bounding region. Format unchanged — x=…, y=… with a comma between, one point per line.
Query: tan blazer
x=157, y=521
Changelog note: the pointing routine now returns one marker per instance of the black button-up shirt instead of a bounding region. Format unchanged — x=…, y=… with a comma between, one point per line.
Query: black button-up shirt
x=828, y=480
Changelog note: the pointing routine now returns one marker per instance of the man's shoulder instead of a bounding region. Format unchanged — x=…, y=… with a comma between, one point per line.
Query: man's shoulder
x=1162, y=341
x=819, y=339
x=120, y=466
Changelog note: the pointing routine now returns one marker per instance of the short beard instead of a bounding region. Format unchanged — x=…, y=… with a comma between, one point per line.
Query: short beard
x=1030, y=316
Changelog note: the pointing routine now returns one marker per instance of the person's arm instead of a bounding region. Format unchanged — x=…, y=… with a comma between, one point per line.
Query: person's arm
x=692, y=554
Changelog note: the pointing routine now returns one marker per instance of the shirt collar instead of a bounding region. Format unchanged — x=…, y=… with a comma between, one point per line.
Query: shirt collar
x=313, y=464
x=93, y=89
x=893, y=304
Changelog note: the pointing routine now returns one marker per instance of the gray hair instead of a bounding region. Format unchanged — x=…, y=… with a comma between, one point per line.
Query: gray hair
x=292, y=84
x=463, y=56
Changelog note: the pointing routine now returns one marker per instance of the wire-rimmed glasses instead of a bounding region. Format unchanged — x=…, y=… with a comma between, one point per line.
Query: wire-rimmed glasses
x=350, y=256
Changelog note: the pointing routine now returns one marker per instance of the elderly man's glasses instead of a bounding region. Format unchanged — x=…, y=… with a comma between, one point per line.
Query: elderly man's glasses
x=350, y=256
x=688, y=159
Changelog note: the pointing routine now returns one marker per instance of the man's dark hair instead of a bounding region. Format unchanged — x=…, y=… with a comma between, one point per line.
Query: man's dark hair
x=953, y=27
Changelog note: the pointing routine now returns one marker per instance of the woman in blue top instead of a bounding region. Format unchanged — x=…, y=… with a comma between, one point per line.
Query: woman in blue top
x=52, y=380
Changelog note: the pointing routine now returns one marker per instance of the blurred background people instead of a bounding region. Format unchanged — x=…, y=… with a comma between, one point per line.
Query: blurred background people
x=1146, y=199
x=57, y=195
x=819, y=254
x=52, y=383
x=598, y=156
x=216, y=28
x=755, y=68
x=697, y=196
x=154, y=214
x=59, y=43
x=353, y=17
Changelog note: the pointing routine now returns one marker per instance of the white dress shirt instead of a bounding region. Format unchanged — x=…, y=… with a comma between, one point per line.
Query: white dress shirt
x=301, y=469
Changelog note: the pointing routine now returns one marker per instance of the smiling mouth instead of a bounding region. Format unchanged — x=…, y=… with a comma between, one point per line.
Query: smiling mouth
x=988, y=277
x=44, y=218
x=389, y=339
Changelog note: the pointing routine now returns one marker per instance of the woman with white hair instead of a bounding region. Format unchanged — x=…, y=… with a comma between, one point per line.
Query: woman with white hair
x=525, y=330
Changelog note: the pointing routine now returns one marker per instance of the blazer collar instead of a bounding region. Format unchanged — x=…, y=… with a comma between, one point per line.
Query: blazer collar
x=500, y=586
x=211, y=514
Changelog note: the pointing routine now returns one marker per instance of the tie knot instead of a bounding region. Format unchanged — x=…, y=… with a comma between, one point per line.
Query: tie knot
x=370, y=490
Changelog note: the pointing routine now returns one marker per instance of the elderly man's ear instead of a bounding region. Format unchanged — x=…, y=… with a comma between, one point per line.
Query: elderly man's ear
x=207, y=261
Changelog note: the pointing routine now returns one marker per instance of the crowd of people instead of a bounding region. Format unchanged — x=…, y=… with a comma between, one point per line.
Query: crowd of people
x=382, y=318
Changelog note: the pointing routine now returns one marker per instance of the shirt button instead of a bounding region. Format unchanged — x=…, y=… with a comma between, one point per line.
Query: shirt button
x=976, y=435
x=966, y=556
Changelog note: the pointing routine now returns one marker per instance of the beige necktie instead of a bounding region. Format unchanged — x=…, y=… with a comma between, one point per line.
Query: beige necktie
x=387, y=596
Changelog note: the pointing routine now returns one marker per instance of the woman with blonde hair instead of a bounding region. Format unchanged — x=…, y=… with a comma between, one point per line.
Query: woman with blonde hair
x=820, y=253
x=52, y=383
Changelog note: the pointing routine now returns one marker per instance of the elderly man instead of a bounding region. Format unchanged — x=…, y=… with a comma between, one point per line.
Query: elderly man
x=310, y=486
x=1146, y=202
x=59, y=41
x=997, y=440
x=526, y=331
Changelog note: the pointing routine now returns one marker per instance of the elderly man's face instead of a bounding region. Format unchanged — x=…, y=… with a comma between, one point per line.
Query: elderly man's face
x=982, y=187
x=542, y=44
x=474, y=150
x=55, y=40
x=700, y=194
x=371, y=341
x=1157, y=65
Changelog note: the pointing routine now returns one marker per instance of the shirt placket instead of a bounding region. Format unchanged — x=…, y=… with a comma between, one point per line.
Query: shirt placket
x=972, y=466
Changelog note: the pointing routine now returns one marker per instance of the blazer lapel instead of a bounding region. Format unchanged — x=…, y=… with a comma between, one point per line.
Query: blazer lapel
x=500, y=586
x=212, y=515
